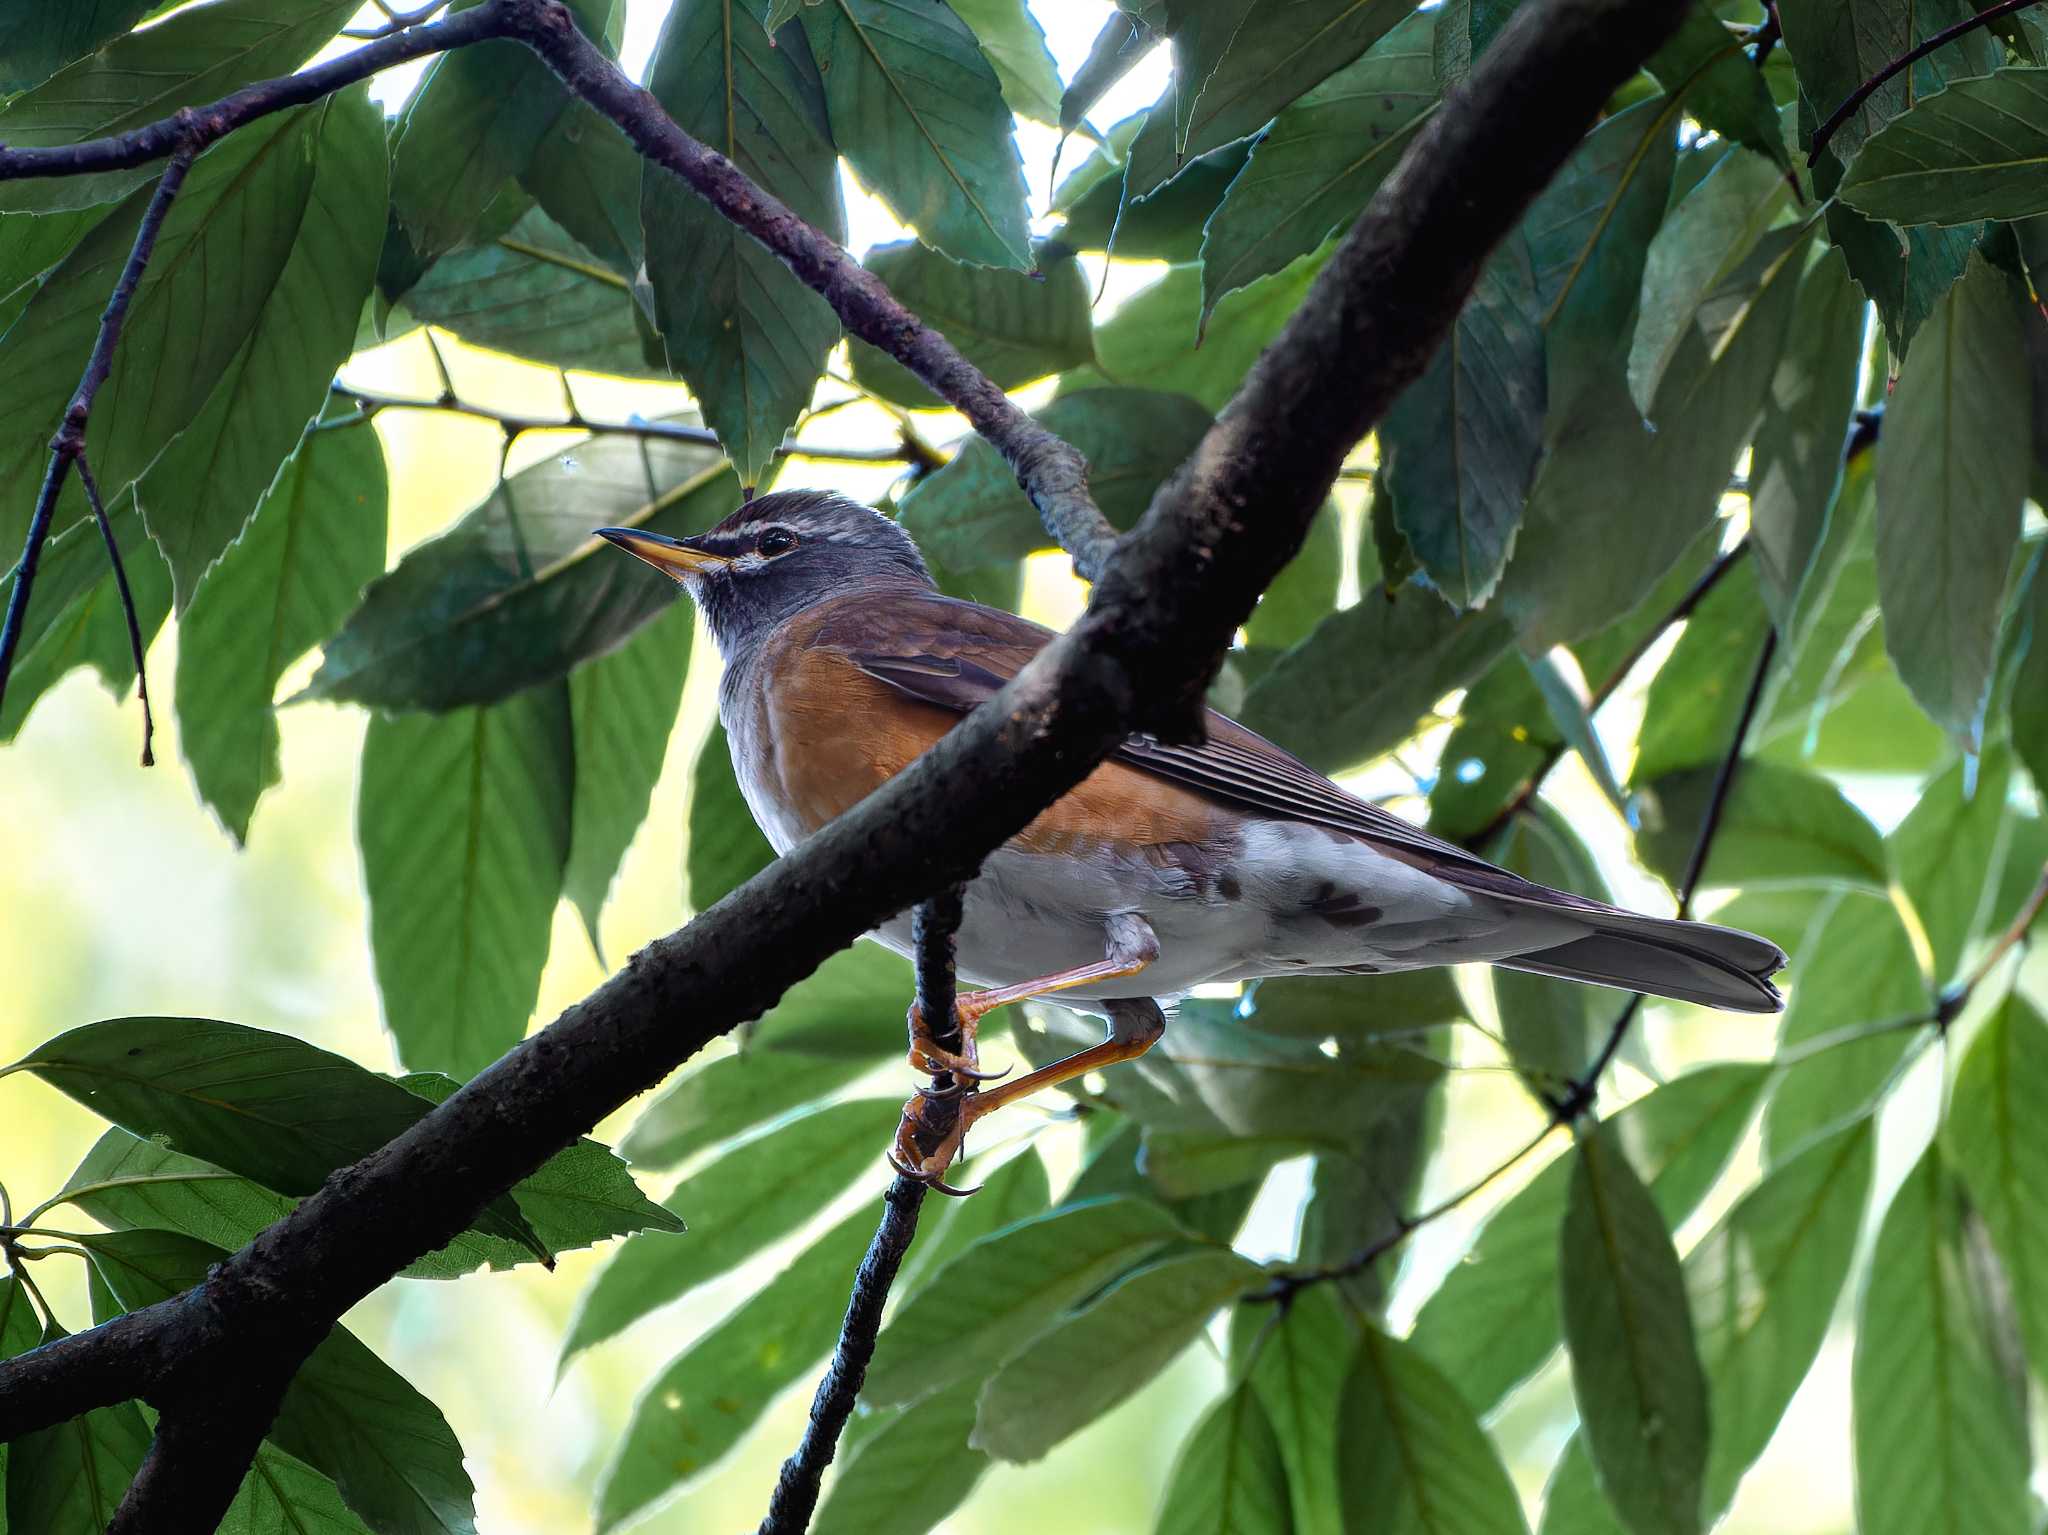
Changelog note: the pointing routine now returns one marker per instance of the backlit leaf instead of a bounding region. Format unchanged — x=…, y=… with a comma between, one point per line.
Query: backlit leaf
x=1230, y=1478
x=726, y=848
x=1779, y=825
x=1948, y=853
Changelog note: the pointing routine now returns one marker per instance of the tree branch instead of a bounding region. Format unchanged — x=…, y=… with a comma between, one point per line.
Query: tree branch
x=1904, y=61
x=204, y=1445
x=1173, y=593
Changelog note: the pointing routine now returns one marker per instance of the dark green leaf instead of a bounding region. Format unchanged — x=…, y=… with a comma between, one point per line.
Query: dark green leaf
x=1905, y=272
x=67, y=1480
x=1796, y=463
x=733, y=1208
x=919, y=114
x=195, y=56
x=37, y=40
x=1014, y=326
x=1948, y=853
x=1976, y=150
x=622, y=709
x=1298, y=1369
x=2030, y=686
x=912, y=1471
x=586, y=177
x=1459, y=447
x=1695, y=700
x=1722, y=88
x=518, y=591
x=1779, y=825
x=972, y=513
x=1571, y=704
x=726, y=848
x=1305, y=591
x=1168, y=225
x=1855, y=972
x=1553, y=1028
x=1938, y=1438
x=1838, y=44
x=1154, y=337
x=1117, y=48
x=725, y=1097
x=851, y=1006
x=706, y=1399
x=1321, y=160
x=1014, y=45
x=1083, y=1366
x=126, y=1181
x=316, y=539
x=742, y=330
x=1359, y=683
x=282, y=1495
x=463, y=820
x=1951, y=473
x=1414, y=1457
x=1229, y=1478
x=1635, y=1370
x=1495, y=1317
x=1007, y=1288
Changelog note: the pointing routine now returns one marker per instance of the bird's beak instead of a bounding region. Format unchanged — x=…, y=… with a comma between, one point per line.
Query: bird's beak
x=674, y=557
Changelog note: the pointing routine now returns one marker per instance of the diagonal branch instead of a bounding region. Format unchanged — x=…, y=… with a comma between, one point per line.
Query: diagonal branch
x=1172, y=595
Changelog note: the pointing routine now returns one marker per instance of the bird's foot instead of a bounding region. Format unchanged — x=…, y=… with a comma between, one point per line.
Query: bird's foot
x=930, y=1057
x=918, y=1131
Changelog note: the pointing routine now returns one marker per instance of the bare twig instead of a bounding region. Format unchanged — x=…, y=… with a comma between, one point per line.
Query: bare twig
x=1904, y=61
x=99, y=512
x=395, y=21
x=2015, y=934
x=67, y=448
x=205, y=1441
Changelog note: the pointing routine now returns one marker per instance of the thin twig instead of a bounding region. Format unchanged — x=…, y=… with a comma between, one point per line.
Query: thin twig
x=396, y=21
x=68, y=446
x=1904, y=61
x=795, y=1499
x=2015, y=933
x=99, y=511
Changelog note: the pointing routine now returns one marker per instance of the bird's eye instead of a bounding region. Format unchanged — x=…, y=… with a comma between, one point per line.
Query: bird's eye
x=776, y=541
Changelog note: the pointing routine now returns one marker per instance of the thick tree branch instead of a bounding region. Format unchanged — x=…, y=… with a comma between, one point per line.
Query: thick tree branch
x=205, y=1442
x=1173, y=593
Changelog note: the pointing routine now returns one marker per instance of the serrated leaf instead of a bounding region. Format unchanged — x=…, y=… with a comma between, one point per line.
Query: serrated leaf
x=1007, y=1288
x=1905, y=272
x=1298, y=1372
x=1948, y=853
x=518, y=591
x=1635, y=1368
x=1117, y=48
x=1838, y=44
x=463, y=821
x=1229, y=1478
x=909, y=1473
x=1459, y=446
x=1320, y=162
x=1495, y=1317
x=1087, y=1363
x=725, y=1097
x=1359, y=683
x=200, y=494
x=706, y=1399
x=317, y=537
x=1976, y=150
x=1167, y=226
x=1857, y=970
x=194, y=57
x=972, y=513
x=732, y=1208
x=1723, y=89
x=742, y=330
x=1414, y=1457
x=1014, y=45
x=1014, y=326
x=1938, y=1439
x=1780, y=825
x=920, y=115
x=1951, y=474
x=622, y=710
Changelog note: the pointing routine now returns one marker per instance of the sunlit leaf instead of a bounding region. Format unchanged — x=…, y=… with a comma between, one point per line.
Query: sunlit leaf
x=1778, y=825
x=1230, y=1478
x=1948, y=853
x=911, y=1472
x=1298, y=1369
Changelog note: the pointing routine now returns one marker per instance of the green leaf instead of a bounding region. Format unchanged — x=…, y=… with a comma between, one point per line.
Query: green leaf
x=1320, y=162
x=1086, y=1364
x=972, y=513
x=2030, y=686
x=1570, y=703
x=1905, y=272
x=1975, y=150
x=518, y=591
x=911, y=1472
x=282, y=1495
x=919, y=114
x=1553, y=1028
x=473, y=124
x=1016, y=1191
x=1014, y=45
x=316, y=538
x=1951, y=474
x=1796, y=462
x=851, y=1006
x=194, y=57
x=1167, y=226
x=1459, y=446
x=1723, y=89
x=1635, y=1369
x=37, y=40
x=71, y=1477
x=1007, y=1288
x=622, y=710
x=708, y=1397
x=748, y=336
x=734, y=1207
x=1939, y=1438
x=1857, y=970
x=1298, y=1370
x=1495, y=1317
x=728, y=1096
x=1305, y=591
x=198, y=497
x=1117, y=48
x=1948, y=853
x=726, y=848
x=346, y=1413
x=1359, y=683
x=1779, y=826
x=1695, y=700
x=1014, y=326
x=1838, y=44
x=126, y=1181
x=1995, y=1140
x=1414, y=1456
x=463, y=820
x=1229, y=1478
x=1252, y=72
x=586, y=177
x=535, y=292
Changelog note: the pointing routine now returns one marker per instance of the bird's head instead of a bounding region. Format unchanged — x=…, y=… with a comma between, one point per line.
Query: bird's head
x=776, y=556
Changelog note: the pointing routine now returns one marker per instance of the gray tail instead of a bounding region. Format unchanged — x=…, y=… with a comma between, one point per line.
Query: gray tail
x=1687, y=961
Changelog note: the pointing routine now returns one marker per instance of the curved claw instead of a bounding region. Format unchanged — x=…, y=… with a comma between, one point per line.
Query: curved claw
x=936, y=1182
x=942, y=1094
x=934, y=1064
